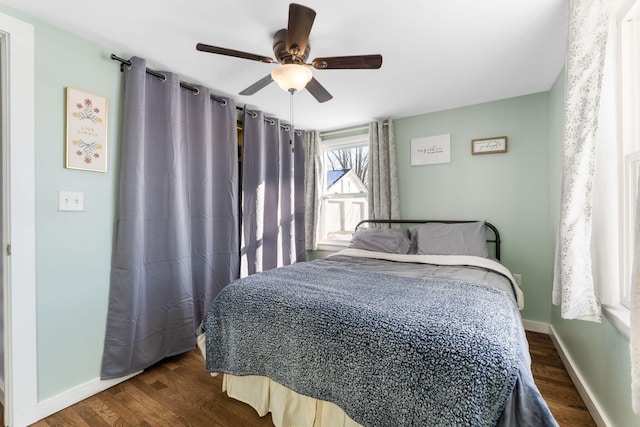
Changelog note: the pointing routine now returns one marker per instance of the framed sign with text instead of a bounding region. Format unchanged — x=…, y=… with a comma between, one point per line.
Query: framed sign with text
x=431, y=150
x=497, y=144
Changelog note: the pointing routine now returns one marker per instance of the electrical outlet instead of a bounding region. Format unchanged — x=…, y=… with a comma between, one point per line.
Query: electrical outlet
x=518, y=278
x=70, y=200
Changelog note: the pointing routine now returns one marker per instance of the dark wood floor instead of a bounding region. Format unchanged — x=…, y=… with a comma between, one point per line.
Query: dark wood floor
x=554, y=383
x=178, y=392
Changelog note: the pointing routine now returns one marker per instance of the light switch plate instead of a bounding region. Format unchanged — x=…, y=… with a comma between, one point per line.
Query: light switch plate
x=70, y=200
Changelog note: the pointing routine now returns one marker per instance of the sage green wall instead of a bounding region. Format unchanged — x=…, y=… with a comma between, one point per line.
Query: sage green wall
x=599, y=351
x=311, y=255
x=510, y=190
x=516, y=190
x=73, y=249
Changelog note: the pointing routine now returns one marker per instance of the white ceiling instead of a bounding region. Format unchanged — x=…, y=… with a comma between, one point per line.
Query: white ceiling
x=437, y=54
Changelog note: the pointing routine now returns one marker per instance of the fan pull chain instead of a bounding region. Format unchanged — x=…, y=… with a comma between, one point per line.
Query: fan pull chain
x=291, y=126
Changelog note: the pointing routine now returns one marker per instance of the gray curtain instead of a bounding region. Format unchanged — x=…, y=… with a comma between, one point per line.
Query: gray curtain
x=384, y=202
x=272, y=195
x=313, y=183
x=176, y=231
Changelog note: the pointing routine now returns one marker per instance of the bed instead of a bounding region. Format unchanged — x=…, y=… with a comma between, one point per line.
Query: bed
x=415, y=324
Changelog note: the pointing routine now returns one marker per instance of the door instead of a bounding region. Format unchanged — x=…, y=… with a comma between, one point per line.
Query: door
x=3, y=191
x=17, y=65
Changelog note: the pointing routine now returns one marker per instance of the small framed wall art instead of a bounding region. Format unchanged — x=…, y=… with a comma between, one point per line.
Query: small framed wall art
x=430, y=150
x=497, y=144
x=86, y=141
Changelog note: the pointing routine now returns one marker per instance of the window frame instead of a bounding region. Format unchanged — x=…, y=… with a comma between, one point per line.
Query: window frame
x=628, y=37
x=342, y=143
x=617, y=309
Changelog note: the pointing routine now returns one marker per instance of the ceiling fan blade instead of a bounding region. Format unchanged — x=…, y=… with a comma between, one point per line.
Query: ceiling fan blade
x=230, y=52
x=318, y=91
x=299, y=27
x=257, y=85
x=358, y=62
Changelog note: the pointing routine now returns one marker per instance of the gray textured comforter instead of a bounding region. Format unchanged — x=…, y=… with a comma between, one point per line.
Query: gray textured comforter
x=389, y=350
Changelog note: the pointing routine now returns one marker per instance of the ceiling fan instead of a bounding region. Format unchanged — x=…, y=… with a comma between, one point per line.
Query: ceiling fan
x=291, y=47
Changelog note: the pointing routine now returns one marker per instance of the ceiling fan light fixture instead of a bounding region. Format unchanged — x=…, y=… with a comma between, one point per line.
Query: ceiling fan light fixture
x=291, y=76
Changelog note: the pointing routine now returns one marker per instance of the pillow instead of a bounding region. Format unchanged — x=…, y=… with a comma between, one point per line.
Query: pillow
x=452, y=239
x=413, y=238
x=390, y=240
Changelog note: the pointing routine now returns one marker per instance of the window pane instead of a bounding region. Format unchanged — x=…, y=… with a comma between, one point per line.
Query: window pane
x=341, y=215
x=351, y=159
x=344, y=201
x=356, y=210
x=633, y=174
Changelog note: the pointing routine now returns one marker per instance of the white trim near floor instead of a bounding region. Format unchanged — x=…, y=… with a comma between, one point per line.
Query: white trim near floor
x=585, y=392
x=77, y=394
x=533, y=326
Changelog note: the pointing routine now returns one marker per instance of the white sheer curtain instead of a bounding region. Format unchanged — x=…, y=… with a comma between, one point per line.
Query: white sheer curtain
x=384, y=202
x=583, y=250
x=313, y=184
x=634, y=326
x=573, y=287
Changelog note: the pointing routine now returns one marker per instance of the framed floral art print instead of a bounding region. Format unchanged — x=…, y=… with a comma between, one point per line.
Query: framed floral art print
x=86, y=143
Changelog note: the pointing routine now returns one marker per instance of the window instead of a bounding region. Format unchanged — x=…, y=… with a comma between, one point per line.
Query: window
x=630, y=132
x=344, y=196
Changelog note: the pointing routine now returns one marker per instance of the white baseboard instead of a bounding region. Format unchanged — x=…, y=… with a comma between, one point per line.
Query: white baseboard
x=533, y=326
x=63, y=400
x=588, y=397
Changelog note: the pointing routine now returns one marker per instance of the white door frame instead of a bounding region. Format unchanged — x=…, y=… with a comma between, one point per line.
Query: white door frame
x=21, y=380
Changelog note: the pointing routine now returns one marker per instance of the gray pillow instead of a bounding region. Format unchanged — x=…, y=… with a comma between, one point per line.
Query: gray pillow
x=452, y=239
x=390, y=240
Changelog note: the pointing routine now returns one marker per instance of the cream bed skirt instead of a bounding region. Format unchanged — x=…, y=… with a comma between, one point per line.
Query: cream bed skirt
x=288, y=408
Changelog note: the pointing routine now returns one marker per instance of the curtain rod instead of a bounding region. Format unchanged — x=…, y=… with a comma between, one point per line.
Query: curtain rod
x=333, y=132
x=162, y=77
x=194, y=89
x=346, y=130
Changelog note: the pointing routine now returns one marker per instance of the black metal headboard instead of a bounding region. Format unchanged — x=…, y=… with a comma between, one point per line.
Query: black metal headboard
x=494, y=230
